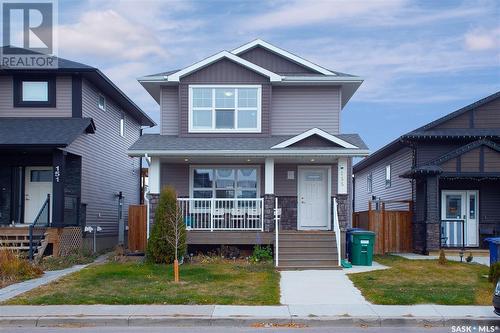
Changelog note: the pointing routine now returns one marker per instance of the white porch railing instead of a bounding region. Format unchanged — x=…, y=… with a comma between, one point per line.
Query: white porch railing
x=222, y=214
x=336, y=228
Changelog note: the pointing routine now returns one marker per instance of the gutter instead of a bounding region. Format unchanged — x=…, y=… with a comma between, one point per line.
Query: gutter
x=244, y=153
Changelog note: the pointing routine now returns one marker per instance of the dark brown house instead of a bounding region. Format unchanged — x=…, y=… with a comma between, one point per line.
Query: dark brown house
x=450, y=168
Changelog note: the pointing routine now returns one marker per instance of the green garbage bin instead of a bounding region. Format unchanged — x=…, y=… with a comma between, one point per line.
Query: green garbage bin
x=362, y=247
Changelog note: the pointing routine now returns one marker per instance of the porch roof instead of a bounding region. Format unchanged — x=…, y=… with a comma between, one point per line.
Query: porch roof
x=42, y=132
x=156, y=144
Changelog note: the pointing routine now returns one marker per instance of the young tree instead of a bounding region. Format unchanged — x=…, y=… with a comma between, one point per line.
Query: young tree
x=168, y=237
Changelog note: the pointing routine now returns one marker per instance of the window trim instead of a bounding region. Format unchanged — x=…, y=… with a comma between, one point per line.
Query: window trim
x=258, y=129
x=369, y=182
x=18, y=92
x=219, y=166
x=388, y=181
x=103, y=108
x=122, y=125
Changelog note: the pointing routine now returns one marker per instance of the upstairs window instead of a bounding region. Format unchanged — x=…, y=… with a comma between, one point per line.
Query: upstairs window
x=369, y=182
x=224, y=109
x=101, y=102
x=34, y=92
x=388, y=175
x=122, y=125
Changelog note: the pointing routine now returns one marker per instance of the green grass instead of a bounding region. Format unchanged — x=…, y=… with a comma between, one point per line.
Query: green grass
x=138, y=283
x=425, y=281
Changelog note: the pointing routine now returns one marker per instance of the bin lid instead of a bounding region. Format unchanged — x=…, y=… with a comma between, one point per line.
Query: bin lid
x=363, y=232
x=495, y=240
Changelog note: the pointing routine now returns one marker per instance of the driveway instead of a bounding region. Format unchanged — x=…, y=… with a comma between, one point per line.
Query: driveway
x=322, y=286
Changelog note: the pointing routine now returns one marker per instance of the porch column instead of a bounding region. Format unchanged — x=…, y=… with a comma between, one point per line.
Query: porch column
x=154, y=176
x=269, y=194
x=342, y=199
x=432, y=214
x=58, y=176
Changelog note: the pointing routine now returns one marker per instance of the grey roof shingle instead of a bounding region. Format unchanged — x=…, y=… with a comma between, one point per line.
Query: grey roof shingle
x=56, y=132
x=170, y=142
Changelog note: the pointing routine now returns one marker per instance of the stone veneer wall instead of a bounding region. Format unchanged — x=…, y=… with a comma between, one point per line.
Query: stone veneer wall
x=153, y=202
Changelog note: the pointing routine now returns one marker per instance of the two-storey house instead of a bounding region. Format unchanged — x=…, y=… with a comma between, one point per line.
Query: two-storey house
x=251, y=139
x=64, y=135
x=450, y=168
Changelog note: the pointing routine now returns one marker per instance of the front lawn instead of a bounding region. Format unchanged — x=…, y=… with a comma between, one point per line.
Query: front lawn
x=425, y=281
x=137, y=283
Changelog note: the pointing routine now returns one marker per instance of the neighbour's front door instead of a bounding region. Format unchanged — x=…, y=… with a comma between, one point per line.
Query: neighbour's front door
x=38, y=183
x=313, y=198
x=458, y=206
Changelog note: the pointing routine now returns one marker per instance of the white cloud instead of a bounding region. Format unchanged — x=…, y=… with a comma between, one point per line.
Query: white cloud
x=483, y=39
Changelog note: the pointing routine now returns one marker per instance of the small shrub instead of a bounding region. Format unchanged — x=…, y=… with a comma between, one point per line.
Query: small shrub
x=494, y=275
x=13, y=268
x=74, y=257
x=442, y=258
x=261, y=254
x=160, y=248
x=469, y=258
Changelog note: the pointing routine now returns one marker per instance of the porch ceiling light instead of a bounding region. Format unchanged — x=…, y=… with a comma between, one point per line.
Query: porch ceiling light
x=186, y=159
x=249, y=160
x=312, y=159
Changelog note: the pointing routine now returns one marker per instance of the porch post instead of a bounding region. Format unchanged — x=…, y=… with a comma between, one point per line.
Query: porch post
x=58, y=177
x=432, y=220
x=269, y=196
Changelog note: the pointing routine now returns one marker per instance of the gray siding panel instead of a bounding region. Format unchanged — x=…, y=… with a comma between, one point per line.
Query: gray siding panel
x=176, y=175
x=106, y=168
x=63, y=100
x=169, y=105
x=400, y=161
x=297, y=109
x=273, y=62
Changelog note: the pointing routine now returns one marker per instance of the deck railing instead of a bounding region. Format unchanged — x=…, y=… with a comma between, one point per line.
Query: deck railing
x=222, y=214
x=453, y=233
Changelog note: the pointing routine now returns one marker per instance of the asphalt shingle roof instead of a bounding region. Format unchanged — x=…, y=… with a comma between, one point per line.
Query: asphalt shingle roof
x=170, y=142
x=56, y=132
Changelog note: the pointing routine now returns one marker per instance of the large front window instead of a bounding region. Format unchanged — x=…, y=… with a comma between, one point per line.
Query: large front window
x=225, y=108
x=225, y=182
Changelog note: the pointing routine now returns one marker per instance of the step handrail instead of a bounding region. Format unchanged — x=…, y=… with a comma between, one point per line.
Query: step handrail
x=39, y=223
x=276, y=232
x=336, y=228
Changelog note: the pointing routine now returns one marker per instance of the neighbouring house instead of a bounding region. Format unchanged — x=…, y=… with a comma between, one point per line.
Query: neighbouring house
x=252, y=137
x=64, y=135
x=450, y=168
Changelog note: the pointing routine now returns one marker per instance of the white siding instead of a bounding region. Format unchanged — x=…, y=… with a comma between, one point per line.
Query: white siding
x=400, y=189
x=63, y=100
x=297, y=109
x=169, y=106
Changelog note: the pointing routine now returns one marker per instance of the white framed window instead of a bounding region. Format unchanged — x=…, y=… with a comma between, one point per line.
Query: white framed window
x=224, y=182
x=225, y=108
x=369, y=182
x=122, y=124
x=101, y=102
x=388, y=175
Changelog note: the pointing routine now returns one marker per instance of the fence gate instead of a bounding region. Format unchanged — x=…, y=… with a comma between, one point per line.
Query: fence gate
x=137, y=237
x=392, y=223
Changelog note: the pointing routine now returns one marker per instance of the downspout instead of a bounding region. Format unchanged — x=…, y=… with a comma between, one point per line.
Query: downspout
x=146, y=196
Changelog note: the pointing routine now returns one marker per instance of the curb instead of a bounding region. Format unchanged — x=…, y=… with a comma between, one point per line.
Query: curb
x=189, y=321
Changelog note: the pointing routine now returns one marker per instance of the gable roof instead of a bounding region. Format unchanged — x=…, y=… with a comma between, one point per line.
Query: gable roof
x=464, y=149
x=95, y=76
x=45, y=132
x=175, y=77
x=283, y=53
x=314, y=131
x=427, y=132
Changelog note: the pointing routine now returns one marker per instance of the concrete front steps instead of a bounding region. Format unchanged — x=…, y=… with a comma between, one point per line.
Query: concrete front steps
x=301, y=250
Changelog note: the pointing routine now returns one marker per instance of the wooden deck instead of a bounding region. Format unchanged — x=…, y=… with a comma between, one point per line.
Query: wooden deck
x=229, y=237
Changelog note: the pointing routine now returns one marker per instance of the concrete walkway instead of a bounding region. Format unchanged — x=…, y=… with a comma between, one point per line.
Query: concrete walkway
x=322, y=286
x=413, y=256
x=226, y=315
x=19, y=288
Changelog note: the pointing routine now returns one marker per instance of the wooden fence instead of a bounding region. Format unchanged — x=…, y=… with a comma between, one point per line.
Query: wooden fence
x=137, y=237
x=393, y=228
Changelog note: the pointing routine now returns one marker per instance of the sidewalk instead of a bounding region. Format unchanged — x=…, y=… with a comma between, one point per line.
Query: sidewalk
x=341, y=315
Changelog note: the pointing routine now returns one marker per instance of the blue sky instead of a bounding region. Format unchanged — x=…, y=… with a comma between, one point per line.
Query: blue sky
x=420, y=60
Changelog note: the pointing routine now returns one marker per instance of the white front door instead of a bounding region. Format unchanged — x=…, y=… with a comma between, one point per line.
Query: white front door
x=459, y=206
x=38, y=183
x=313, y=204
